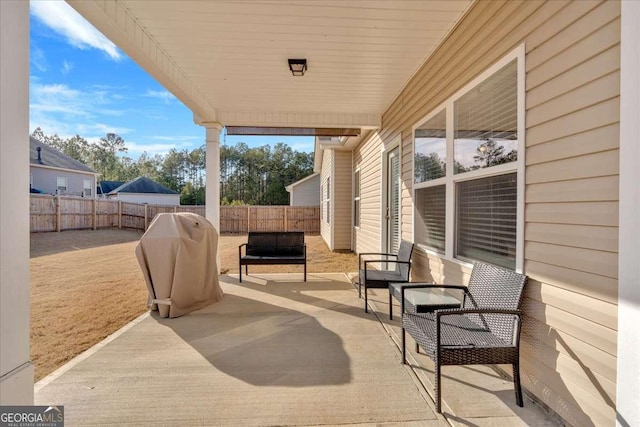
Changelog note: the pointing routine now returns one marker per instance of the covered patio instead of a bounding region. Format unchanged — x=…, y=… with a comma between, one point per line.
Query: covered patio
x=381, y=73
x=274, y=351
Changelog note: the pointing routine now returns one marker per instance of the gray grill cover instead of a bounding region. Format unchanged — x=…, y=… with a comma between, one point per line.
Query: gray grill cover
x=177, y=256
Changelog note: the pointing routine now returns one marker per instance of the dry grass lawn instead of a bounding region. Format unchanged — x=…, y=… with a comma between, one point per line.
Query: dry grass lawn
x=85, y=285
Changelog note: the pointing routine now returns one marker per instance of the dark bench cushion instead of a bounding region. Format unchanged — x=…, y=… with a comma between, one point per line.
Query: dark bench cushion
x=275, y=244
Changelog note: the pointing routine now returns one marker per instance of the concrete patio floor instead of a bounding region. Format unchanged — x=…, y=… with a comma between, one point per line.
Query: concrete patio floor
x=274, y=351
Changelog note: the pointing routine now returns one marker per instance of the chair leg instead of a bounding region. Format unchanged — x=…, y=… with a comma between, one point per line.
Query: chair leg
x=366, y=306
x=404, y=346
x=390, y=307
x=305, y=271
x=516, y=384
x=417, y=348
x=240, y=269
x=359, y=287
x=437, y=386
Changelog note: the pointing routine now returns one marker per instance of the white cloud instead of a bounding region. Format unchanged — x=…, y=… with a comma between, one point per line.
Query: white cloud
x=60, y=109
x=177, y=138
x=155, y=148
x=303, y=147
x=38, y=60
x=163, y=95
x=64, y=20
x=102, y=129
x=66, y=67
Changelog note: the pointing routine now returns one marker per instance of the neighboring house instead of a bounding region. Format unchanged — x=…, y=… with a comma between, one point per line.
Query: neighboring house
x=105, y=187
x=53, y=172
x=305, y=192
x=144, y=190
x=335, y=198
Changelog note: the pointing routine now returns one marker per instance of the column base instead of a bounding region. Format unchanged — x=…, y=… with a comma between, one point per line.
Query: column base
x=16, y=387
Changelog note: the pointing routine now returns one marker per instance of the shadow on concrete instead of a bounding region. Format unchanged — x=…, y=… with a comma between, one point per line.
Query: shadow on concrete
x=298, y=291
x=264, y=344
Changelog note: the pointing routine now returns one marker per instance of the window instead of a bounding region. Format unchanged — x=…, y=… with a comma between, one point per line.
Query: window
x=486, y=220
x=328, y=200
x=430, y=226
x=87, y=190
x=61, y=185
x=356, y=198
x=468, y=170
x=321, y=201
x=486, y=123
x=430, y=149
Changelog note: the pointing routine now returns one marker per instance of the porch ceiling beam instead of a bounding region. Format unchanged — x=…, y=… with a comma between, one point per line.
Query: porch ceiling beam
x=288, y=131
x=300, y=119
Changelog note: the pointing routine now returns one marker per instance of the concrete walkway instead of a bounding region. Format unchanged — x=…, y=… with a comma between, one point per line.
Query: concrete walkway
x=274, y=351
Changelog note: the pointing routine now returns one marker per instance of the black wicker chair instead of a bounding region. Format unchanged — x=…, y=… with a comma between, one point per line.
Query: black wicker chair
x=380, y=279
x=486, y=330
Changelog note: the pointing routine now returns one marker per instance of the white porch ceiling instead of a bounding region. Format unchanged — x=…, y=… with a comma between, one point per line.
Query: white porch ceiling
x=227, y=60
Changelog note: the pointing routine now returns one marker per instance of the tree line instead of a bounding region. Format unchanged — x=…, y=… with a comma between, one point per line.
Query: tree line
x=249, y=175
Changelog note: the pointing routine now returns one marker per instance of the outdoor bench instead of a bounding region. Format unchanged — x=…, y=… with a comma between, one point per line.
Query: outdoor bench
x=273, y=248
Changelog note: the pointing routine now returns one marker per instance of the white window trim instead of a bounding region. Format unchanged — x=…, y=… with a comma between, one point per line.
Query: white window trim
x=359, y=198
x=451, y=179
x=328, y=205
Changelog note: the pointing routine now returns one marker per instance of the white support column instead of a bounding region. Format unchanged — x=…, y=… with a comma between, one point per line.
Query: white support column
x=16, y=370
x=628, y=378
x=213, y=176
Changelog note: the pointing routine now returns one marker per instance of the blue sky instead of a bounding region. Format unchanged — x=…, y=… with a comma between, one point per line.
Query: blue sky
x=81, y=83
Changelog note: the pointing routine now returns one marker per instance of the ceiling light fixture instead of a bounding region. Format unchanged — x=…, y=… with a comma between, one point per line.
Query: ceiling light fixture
x=298, y=66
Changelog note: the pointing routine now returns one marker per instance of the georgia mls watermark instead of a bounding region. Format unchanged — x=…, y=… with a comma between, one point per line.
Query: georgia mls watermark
x=31, y=416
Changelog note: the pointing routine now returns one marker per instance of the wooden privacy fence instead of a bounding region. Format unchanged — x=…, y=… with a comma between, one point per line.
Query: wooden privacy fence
x=57, y=213
x=242, y=219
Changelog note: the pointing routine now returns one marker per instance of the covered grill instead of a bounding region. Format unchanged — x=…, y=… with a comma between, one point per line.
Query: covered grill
x=177, y=255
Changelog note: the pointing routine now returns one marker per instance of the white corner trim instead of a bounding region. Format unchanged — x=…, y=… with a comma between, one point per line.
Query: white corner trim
x=628, y=360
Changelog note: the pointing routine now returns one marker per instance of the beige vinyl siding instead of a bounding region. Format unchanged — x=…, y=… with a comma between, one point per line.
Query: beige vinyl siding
x=327, y=166
x=368, y=156
x=571, y=207
x=342, y=196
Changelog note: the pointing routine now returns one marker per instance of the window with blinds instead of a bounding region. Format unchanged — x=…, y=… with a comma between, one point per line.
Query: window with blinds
x=86, y=188
x=486, y=122
x=61, y=183
x=486, y=219
x=430, y=153
x=430, y=209
x=468, y=165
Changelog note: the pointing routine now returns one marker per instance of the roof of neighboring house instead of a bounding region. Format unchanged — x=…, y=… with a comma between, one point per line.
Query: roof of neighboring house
x=53, y=158
x=293, y=184
x=142, y=184
x=105, y=187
